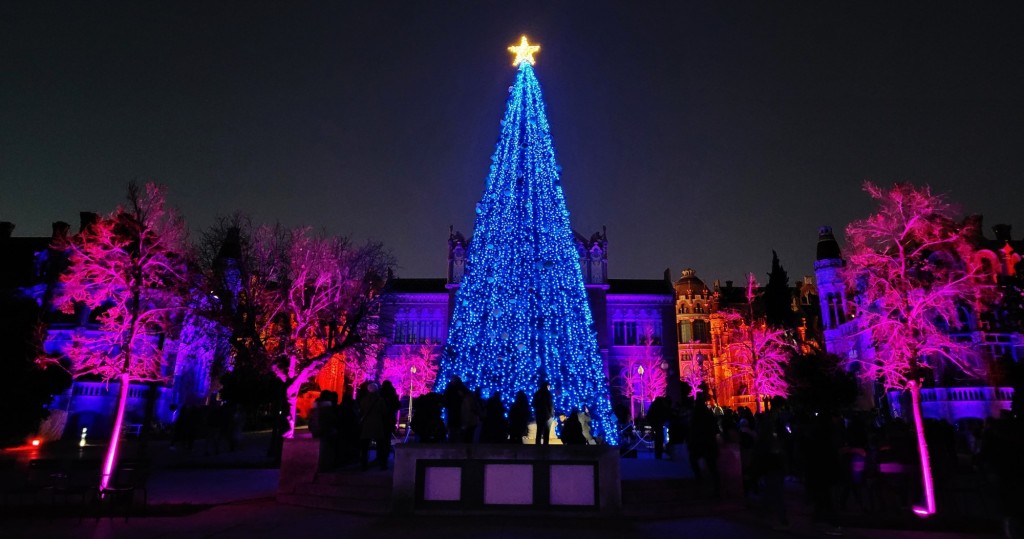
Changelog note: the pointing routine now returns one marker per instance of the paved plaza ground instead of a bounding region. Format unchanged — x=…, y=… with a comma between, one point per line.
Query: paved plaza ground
x=231, y=495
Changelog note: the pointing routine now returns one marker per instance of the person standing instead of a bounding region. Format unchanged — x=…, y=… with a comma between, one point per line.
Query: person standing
x=657, y=415
x=470, y=416
x=702, y=443
x=494, y=428
x=453, y=394
x=572, y=429
x=372, y=427
x=519, y=419
x=543, y=409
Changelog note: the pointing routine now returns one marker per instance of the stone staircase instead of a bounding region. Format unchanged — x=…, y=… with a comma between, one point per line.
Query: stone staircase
x=365, y=493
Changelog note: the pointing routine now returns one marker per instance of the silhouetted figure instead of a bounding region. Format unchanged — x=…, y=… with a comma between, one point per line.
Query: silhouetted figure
x=453, y=394
x=584, y=417
x=323, y=424
x=175, y=427
x=543, y=409
x=748, y=439
x=471, y=412
x=1002, y=441
x=426, y=418
x=703, y=443
x=770, y=463
x=233, y=423
x=657, y=415
x=213, y=423
x=821, y=459
x=373, y=427
x=348, y=430
x=519, y=419
x=391, y=404
x=572, y=429
x=494, y=429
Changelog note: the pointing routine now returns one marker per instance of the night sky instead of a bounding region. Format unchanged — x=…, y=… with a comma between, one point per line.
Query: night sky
x=701, y=135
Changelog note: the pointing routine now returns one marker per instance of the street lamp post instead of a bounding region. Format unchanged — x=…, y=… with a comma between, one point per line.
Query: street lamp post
x=408, y=418
x=643, y=393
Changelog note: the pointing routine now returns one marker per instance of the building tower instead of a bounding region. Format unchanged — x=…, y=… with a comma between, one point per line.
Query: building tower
x=827, y=271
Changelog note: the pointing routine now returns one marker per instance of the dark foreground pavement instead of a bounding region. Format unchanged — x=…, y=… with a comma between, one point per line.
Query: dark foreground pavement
x=231, y=496
x=265, y=518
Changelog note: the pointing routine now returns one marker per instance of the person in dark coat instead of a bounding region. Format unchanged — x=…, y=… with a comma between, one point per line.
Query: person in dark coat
x=348, y=430
x=519, y=419
x=572, y=429
x=453, y=395
x=426, y=418
x=543, y=409
x=373, y=427
x=494, y=429
x=323, y=424
x=821, y=460
x=657, y=415
x=391, y=404
x=471, y=415
x=702, y=443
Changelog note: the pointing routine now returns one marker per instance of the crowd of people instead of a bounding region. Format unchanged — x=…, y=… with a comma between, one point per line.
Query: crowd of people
x=867, y=459
x=352, y=430
x=861, y=461
x=217, y=425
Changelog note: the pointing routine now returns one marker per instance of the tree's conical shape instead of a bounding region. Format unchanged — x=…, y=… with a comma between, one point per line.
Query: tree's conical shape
x=521, y=312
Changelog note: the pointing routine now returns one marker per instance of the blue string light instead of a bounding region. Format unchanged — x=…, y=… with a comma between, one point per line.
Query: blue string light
x=521, y=312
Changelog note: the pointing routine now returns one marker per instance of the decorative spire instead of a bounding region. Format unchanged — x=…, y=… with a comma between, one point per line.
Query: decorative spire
x=524, y=52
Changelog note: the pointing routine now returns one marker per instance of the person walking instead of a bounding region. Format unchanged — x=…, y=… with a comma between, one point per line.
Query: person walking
x=543, y=409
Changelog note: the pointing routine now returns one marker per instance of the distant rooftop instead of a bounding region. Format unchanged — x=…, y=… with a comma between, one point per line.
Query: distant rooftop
x=640, y=286
x=418, y=286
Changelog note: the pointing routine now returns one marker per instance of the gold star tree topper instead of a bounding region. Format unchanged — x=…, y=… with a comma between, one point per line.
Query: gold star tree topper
x=524, y=52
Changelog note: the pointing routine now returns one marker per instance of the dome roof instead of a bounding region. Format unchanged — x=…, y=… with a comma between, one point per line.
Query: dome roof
x=689, y=284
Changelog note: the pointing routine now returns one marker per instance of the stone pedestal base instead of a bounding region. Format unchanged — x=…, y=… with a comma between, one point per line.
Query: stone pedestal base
x=458, y=478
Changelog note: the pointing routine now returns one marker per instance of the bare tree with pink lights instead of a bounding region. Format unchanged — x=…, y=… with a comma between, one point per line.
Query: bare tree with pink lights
x=910, y=265
x=694, y=375
x=642, y=375
x=413, y=369
x=758, y=355
x=132, y=268
x=302, y=298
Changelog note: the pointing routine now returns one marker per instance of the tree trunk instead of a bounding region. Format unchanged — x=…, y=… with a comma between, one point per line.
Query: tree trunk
x=922, y=448
x=291, y=397
x=110, y=460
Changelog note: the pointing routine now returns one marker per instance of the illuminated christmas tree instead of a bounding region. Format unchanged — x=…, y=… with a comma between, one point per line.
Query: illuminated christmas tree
x=521, y=312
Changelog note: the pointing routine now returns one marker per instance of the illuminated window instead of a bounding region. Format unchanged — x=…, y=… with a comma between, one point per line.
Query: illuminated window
x=701, y=331
x=417, y=331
